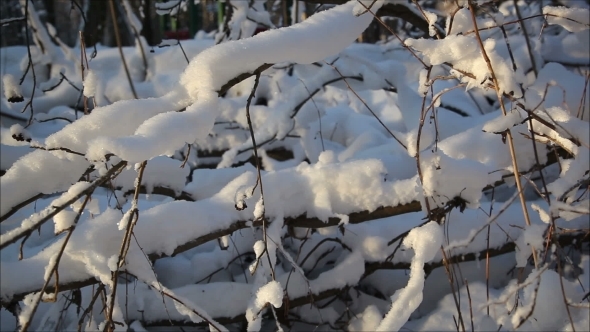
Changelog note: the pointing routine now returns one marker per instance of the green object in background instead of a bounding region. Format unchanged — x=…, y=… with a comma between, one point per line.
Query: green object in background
x=220, y=12
x=171, y=23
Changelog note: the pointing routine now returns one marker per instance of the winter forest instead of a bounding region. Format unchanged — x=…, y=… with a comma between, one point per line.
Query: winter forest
x=362, y=165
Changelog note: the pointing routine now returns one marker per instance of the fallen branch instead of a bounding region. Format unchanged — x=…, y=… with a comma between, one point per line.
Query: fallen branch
x=303, y=221
x=370, y=268
x=300, y=221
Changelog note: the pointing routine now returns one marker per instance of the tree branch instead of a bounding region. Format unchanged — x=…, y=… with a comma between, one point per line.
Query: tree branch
x=241, y=77
x=398, y=10
x=42, y=217
x=301, y=221
x=372, y=267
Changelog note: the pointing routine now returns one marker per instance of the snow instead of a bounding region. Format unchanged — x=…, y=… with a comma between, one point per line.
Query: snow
x=555, y=79
x=201, y=84
x=11, y=88
x=572, y=19
x=367, y=320
x=531, y=239
x=544, y=315
x=159, y=172
x=36, y=219
x=431, y=18
x=65, y=171
x=114, y=120
x=503, y=123
x=463, y=53
x=271, y=293
x=259, y=209
x=442, y=178
x=276, y=46
x=64, y=220
x=350, y=242
x=19, y=133
x=426, y=242
x=133, y=20
x=91, y=84
x=25, y=314
x=245, y=19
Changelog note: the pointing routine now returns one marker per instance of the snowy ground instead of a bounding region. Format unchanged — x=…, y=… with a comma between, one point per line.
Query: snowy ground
x=397, y=161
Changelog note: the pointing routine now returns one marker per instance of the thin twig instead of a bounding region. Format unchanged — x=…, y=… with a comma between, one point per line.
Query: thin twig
x=526, y=38
x=470, y=304
x=118, y=39
x=88, y=309
x=133, y=216
x=367, y=106
x=30, y=65
x=259, y=172
x=508, y=132
x=46, y=215
x=451, y=278
x=53, y=267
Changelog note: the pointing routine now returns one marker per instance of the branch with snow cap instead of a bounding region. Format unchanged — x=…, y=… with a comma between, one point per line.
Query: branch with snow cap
x=322, y=35
x=104, y=129
x=76, y=191
x=299, y=298
x=398, y=9
x=426, y=241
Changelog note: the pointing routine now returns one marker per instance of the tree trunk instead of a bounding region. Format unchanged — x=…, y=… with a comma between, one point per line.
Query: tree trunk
x=96, y=22
x=148, y=22
x=66, y=18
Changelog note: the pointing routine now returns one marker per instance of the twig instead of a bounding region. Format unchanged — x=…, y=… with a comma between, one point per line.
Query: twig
x=20, y=205
x=367, y=106
x=395, y=34
x=118, y=39
x=526, y=38
x=82, y=57
x=534, y=303
x=63, y=77
x=137, y=35
x=7, y=21
x=40, y=218
x=312, y=93
x=88, y=310
x=423, y=113
x=319, y=113
x=328, y=239
x=31, y=66
x=370, y=268
x=259, y=172
x=470, y=304
x=133, y=216
x=238, y=257
x=52, y=268
x=565, y=302
x=508, y=132
x=451, y=277
x=175, y=298
x=437, y=30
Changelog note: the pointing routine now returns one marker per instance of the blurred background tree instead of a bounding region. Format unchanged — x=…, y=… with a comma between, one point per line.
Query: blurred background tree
x=93, y=17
